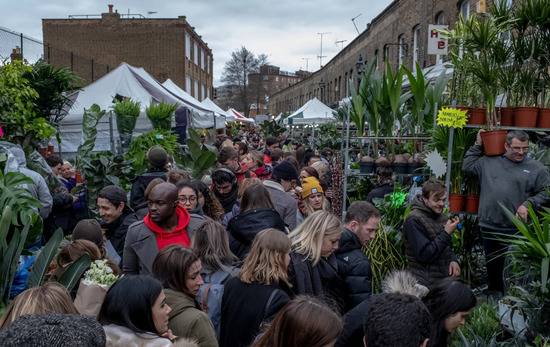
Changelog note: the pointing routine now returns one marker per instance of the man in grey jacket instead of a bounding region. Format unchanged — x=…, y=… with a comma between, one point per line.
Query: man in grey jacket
x=278, y=186
x=512, y=180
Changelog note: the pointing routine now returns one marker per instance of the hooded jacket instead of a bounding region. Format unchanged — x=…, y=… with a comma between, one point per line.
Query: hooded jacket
x=137, y=195
x=245, y=226
x=38, y=189
x=186, y=320
x=359, y=274
x=427, y=244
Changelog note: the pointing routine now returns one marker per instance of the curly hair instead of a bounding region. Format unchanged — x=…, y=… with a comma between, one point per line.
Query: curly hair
x=397, y=320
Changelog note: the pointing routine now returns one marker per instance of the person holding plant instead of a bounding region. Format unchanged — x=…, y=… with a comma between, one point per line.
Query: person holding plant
x=449, y=303
x=165, y=224
x=427, y=235
x=361, y=223
x=179, y=270
x=158, y=160
x=512, y=181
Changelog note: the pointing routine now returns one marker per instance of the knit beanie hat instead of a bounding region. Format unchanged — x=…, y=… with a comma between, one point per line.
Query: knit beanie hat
x=157, y=157
x=285, y=171
x=310, y=185
x=54, y=330
x=88, y=229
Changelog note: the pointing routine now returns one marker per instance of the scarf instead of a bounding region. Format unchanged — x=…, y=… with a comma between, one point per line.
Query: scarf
x=177, y=236
x=229, y=199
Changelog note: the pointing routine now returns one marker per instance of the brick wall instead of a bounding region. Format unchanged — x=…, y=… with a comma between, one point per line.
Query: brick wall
x=399, y=19
x=92, y=47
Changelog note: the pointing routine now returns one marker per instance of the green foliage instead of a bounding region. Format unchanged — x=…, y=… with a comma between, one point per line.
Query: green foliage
x=127, y=113
x=481, y=329
x=44, y=259
x=137, y=153
x=161, y=115
x=198, y=158
x=71, y=275
x=14, y=195
x=272, y=128
x=90, y=120
x=329, y=137
x=466, y=245
x=393, y=208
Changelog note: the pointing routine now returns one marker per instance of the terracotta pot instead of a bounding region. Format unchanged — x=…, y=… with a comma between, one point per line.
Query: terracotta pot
x=476, y=116
x=507, y=116
x=544, y=118
x=493, y=142
x=472, y=203
x=456, y=202
x=525, y=117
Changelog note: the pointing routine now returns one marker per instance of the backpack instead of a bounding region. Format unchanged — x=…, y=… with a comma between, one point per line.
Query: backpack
x=210, y=296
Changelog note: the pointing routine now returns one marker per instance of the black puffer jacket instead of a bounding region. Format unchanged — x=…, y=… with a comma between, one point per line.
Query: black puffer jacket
x=358, y=276
x=137, y=195
x=245, y=226
x=116, y=231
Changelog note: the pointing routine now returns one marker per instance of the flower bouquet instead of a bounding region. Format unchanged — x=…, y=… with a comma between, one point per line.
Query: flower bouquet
x=93, y=287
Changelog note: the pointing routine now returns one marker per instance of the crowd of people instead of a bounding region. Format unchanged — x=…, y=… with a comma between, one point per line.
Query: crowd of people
x=251, y=255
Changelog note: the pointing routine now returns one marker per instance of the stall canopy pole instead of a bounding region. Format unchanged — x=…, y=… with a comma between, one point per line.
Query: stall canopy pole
x=346, y=164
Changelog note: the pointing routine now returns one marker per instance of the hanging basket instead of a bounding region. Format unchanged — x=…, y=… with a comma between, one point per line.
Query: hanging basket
x=493, y=142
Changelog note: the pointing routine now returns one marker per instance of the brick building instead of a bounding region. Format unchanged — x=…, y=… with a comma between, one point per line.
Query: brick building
x=165, y=47
x=398, y=34
x=268, y=81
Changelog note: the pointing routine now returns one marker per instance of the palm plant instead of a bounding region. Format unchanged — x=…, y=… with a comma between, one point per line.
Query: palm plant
x=161, y=115
x=127, y=113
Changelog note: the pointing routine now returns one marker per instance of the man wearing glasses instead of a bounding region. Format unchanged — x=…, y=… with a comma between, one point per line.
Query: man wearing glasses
x=513, y=180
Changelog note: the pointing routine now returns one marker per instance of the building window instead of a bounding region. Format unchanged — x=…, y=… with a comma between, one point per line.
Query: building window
x=208, y=92
x=203, y=92
x=207, y=64
x=203, y=59
x=401, y=46
x=196, y=53
x=188, y=84
x=196, y=89
x=416, y=45
x=187, y=46
x=386, y=52
x=465, y=9
x=376, y=59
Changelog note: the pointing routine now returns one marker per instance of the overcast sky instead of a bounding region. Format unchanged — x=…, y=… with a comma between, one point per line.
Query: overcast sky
x=285, y=30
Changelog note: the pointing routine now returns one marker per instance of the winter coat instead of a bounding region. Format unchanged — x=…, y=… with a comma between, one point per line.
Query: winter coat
x=285, y=204
x=508, y=183
x=140, y=250
x=352, y=335
x=116, y=231
x=244, y=307
x=358, y=277
x=137, y=195
x=427, y=244
x=186, y=320
x=322, y=280
x=119, y=336
x=245, y=226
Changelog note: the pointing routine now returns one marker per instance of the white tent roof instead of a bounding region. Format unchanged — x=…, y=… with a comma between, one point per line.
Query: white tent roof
x=198, y=121
x=313, y=111
x=239, y=116
x=212, y=106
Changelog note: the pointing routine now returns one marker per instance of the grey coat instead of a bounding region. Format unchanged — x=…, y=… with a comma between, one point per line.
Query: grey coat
x=506, y=182
x=284, y=203
x=140, y=250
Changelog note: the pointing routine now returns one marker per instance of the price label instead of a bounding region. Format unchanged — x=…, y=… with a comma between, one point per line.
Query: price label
x=452, y=118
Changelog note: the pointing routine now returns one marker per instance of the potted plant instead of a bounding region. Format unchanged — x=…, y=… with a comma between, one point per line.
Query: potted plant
x=472, y=195
x=525, y=115
x=161, y=115
x=366, y=164
x=127, y=113
x=456, y=196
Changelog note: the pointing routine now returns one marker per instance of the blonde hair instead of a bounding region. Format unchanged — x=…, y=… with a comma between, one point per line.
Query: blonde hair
x=51, y=297
x=307, y=238
x=265, y=263
x=308, y=209
x=322, y=169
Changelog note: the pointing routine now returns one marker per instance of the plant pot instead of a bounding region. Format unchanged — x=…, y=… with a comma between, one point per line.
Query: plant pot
x=507, y=116
x=366, y=168
x=526, y=117
x=477, y=116
x=493, y=142
x=456, y=202
x=544, y=118
x=472, y=204
x=400, y=168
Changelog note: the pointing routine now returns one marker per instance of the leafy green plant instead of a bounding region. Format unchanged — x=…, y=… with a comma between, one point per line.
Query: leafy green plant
x=272, y=128
x=466, y=244
x=90, y=120
x=14, y=195
x=393, y=208
x=127, y=113
x=137, y=153
x=44, y=259
x=198, y=158
x=329, y=137
x=72, y=274
x=161, y=115
x=481, y=329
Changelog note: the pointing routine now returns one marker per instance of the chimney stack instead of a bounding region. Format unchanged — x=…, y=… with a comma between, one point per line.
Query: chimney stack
x=110, y=8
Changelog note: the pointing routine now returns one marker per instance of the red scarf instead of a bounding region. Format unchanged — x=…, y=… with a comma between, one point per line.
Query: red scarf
x=177, y=236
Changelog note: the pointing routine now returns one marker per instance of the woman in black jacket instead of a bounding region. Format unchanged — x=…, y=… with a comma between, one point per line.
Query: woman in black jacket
x=314, y=269
x=259, y=292
x=257, y=213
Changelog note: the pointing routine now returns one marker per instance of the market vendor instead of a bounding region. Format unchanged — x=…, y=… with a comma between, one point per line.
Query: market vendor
x=513, y=180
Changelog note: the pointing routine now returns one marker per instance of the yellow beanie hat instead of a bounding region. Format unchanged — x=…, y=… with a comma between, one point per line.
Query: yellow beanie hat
x=310, y=185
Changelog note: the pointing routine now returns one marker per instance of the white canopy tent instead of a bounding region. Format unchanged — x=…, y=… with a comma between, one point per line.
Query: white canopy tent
x=239, y=117
x=312, y=112
x=126, y=81
x=207, y=119
x=218, y=110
